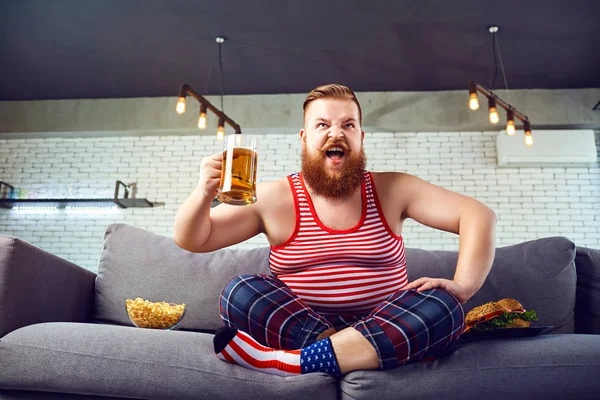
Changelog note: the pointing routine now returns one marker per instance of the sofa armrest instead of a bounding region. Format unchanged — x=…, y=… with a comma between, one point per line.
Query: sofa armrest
x=587, y=304
x=37, y=286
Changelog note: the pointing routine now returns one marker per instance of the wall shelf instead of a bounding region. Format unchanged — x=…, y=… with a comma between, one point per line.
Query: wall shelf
x=64, y=203
x=60, y=203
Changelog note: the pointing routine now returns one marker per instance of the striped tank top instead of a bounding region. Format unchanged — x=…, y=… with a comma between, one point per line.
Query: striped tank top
x=340, y=272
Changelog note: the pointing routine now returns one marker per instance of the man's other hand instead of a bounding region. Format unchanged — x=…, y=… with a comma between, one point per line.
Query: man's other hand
x=453, y=287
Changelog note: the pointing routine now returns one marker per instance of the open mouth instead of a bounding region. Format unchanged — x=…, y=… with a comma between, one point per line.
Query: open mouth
x=335, y=153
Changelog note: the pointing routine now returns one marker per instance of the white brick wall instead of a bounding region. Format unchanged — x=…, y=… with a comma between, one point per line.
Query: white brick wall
x=530, y=202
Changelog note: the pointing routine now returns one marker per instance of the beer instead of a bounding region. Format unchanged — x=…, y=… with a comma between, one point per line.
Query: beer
x=238, y=176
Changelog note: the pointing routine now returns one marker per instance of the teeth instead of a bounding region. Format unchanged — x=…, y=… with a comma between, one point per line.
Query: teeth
x=336, y=149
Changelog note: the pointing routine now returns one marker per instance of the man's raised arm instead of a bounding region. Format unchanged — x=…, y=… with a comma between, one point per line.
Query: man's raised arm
x=200, y=229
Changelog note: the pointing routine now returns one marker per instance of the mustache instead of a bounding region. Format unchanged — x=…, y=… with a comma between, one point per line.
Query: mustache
x=335, y=143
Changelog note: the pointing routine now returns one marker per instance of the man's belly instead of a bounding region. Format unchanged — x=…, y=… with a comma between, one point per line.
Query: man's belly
x=339, y=290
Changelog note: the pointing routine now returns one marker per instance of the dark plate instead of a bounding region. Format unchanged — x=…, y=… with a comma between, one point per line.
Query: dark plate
x=506, y=333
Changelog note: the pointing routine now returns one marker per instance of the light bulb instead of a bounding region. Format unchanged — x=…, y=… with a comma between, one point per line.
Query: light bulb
x=527, y=129
x=180, y=105
x=202, y=121
x=221, y=127
x=510, y=128
x=510, y=122
x=473, y=101
x=494, y=117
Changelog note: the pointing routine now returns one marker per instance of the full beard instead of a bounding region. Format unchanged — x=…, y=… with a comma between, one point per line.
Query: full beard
x=339, y=184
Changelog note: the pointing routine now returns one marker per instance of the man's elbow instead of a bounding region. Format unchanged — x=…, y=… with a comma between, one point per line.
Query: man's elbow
x=179, y=240
x=483, y=213
x=492, y=215
x=183, y=242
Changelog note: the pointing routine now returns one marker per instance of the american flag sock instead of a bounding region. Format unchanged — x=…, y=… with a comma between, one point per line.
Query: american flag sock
x=240, y=348
x=320, y=357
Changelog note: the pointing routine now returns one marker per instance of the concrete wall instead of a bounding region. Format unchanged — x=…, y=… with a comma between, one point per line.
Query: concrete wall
x=73, y=157
x=382, y=112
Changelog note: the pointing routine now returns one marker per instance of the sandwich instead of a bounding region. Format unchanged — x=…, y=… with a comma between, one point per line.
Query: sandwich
x=501, y=314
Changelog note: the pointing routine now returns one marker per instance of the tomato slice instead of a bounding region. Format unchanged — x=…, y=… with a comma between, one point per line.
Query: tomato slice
x=489, y=316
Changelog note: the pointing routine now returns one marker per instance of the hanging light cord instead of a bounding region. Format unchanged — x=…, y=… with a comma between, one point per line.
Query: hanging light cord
x=498, y=56
x=495, y=60
x=208, y=78
x=221, y=69
x=502, y=69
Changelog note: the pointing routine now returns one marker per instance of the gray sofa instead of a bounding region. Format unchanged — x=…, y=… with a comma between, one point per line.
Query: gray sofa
x=64, y=332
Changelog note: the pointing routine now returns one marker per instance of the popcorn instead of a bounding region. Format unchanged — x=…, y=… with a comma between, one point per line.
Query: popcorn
x=160, y=315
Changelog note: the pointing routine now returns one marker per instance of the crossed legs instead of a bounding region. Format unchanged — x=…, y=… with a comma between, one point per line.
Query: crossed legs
x=406, y=327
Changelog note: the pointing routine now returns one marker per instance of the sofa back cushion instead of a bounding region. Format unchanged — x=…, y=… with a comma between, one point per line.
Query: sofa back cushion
x=587, y=303
x=137, y=263
x=538, y=273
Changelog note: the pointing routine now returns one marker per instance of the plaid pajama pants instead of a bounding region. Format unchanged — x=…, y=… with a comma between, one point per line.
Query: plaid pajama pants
x=406, y=327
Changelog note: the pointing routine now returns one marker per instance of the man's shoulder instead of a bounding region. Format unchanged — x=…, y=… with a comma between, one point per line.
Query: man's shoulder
x=401, y=183
x=389, y=177
x=387, y=173
x=274, y=190
x=276, y=209
x=394, y=184
x=277, y=184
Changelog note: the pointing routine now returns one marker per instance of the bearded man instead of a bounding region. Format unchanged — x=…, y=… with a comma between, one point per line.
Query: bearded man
x=339, y=297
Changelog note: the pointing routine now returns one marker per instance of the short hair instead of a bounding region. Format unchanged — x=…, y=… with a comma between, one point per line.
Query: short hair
x=332, y=91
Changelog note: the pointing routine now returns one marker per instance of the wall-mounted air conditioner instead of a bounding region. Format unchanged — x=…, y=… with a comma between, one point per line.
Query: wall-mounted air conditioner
x=550, y=148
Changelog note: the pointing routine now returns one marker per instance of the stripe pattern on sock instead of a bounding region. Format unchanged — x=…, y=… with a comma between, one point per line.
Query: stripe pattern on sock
x=243, y=350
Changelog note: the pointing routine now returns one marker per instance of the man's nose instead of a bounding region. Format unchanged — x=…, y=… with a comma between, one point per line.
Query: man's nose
x=336, y=132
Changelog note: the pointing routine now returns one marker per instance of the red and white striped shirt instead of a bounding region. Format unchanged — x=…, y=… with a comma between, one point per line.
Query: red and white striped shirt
x=340, y=272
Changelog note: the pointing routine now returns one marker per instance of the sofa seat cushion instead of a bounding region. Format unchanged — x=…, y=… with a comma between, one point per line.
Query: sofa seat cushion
x=29, y=395
x=123, y=361
x=562, y=366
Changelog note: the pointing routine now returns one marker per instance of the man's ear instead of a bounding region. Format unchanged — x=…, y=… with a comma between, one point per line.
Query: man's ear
x=303, y=135
x=362, y=135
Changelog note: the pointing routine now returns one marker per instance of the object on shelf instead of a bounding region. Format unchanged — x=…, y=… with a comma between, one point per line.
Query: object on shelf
x=10, y=192
x=8, y=200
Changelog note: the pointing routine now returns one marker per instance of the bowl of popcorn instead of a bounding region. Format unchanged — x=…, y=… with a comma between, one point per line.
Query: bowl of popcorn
x=160, y=315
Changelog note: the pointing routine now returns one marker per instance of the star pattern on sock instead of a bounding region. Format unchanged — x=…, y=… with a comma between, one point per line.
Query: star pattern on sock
x=319, y=357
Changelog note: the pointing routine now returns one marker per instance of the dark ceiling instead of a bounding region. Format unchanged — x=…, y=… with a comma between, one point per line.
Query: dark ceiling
x=65, y=49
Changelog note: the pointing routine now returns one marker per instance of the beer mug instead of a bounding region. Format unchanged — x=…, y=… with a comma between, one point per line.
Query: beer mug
x=238, y=176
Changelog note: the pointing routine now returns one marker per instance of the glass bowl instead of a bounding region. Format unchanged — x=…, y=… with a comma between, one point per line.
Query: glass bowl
x=159, y=315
